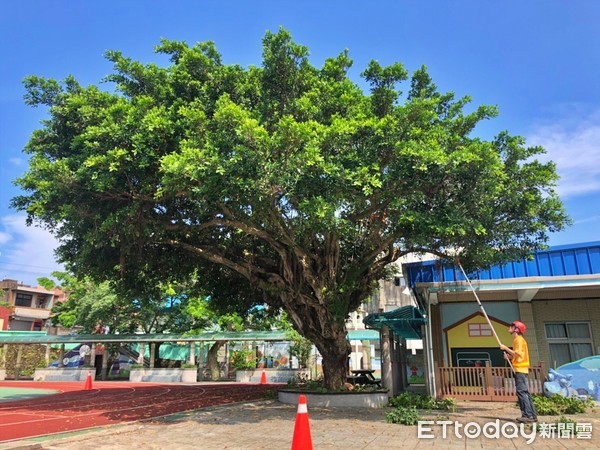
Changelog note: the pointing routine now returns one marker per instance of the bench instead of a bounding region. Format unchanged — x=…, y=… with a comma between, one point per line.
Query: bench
x=363, y=379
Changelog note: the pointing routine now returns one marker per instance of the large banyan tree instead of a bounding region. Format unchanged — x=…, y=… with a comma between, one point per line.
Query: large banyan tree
x=288, y=178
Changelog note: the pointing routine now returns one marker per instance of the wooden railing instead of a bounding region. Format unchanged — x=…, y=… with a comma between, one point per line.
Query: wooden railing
x=485, y=383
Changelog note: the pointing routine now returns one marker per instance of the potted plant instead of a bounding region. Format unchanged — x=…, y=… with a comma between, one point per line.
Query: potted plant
x=244, y=364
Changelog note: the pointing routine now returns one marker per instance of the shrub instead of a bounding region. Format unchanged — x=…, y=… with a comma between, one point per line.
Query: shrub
x=301, y=379
x=404, y=416
x=421, y=401
x=242, y=360
x=303, y=382
x=188, y=366
x=368, y=388
x=557, y=405
x=33, y=357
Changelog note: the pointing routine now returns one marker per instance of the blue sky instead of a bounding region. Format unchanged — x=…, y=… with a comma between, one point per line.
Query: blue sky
x=539, y=61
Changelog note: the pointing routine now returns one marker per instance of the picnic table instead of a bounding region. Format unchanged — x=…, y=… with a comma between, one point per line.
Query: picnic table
x=363, y=376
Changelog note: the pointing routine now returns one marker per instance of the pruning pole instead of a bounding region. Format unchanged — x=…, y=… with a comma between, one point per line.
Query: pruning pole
x=483, y=310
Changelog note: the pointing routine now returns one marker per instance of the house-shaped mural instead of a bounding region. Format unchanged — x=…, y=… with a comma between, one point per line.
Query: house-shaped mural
x=471, y=342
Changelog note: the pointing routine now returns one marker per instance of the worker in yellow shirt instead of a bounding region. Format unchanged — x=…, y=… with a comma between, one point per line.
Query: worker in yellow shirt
x=519, y=356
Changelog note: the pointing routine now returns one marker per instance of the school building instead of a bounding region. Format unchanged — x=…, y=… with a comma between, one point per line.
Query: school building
x=555, y=292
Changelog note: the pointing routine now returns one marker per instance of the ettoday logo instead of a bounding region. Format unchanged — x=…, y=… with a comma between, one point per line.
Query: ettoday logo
x=507, y=430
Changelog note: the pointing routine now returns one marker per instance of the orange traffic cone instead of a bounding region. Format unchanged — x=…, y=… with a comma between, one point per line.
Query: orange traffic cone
x=88, y=381
x=302, y=439
x=263, y=377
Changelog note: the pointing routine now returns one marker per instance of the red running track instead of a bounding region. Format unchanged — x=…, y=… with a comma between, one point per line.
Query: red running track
x=110, y=403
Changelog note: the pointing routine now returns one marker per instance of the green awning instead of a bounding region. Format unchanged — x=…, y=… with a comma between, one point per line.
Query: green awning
x=405, y=321
x=255, y=336
x=363, y=335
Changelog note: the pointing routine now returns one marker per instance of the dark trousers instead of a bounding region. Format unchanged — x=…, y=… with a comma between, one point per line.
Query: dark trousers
x=523, y=396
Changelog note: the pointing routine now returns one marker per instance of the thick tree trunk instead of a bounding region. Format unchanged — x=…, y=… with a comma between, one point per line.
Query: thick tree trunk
x=212, y=360
x=335, y=352
x=314, y=320
x=329, y=336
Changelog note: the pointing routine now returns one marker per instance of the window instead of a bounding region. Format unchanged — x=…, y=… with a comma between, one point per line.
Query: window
x=479, y=330
x=399, y=281
x=23, y=299
x=568, y=341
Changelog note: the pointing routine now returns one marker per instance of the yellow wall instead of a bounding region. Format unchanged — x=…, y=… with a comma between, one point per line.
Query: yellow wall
x=458, y=336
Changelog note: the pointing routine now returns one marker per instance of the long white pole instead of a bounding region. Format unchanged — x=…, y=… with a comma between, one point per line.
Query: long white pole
x=482, y=309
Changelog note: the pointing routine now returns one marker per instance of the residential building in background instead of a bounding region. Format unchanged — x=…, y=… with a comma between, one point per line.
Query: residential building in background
x=27, y=308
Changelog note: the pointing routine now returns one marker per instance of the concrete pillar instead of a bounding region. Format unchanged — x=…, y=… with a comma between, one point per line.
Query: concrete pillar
x=104, y=364
x=387, y=379
x=192, y=353
x=18, y=363
x=93, y=355
x=3, y=352
x=47, y=355
x=201, y=361
x=366, y=355
x=400, y=377
x=152, y=350
x=142, y=353
x=3, y=355
x=61, y=355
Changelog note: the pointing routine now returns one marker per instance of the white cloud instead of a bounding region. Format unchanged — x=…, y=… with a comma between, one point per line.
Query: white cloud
x=17, y=161
x=573, y=143
x=26, y=253
x=594, y=218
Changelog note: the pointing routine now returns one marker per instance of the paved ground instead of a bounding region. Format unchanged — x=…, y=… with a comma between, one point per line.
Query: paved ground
x=270, y=425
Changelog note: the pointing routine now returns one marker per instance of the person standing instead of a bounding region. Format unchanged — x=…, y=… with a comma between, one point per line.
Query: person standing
x=519, y=356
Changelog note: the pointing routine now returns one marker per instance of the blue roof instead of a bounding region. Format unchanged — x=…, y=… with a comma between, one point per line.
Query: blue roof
x=562, y=260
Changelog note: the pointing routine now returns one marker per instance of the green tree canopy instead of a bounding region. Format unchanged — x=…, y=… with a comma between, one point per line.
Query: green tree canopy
x=91, y=304
x=286, y=178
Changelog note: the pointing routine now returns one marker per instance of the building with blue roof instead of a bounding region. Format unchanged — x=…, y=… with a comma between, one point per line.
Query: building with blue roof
x=555, y=292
